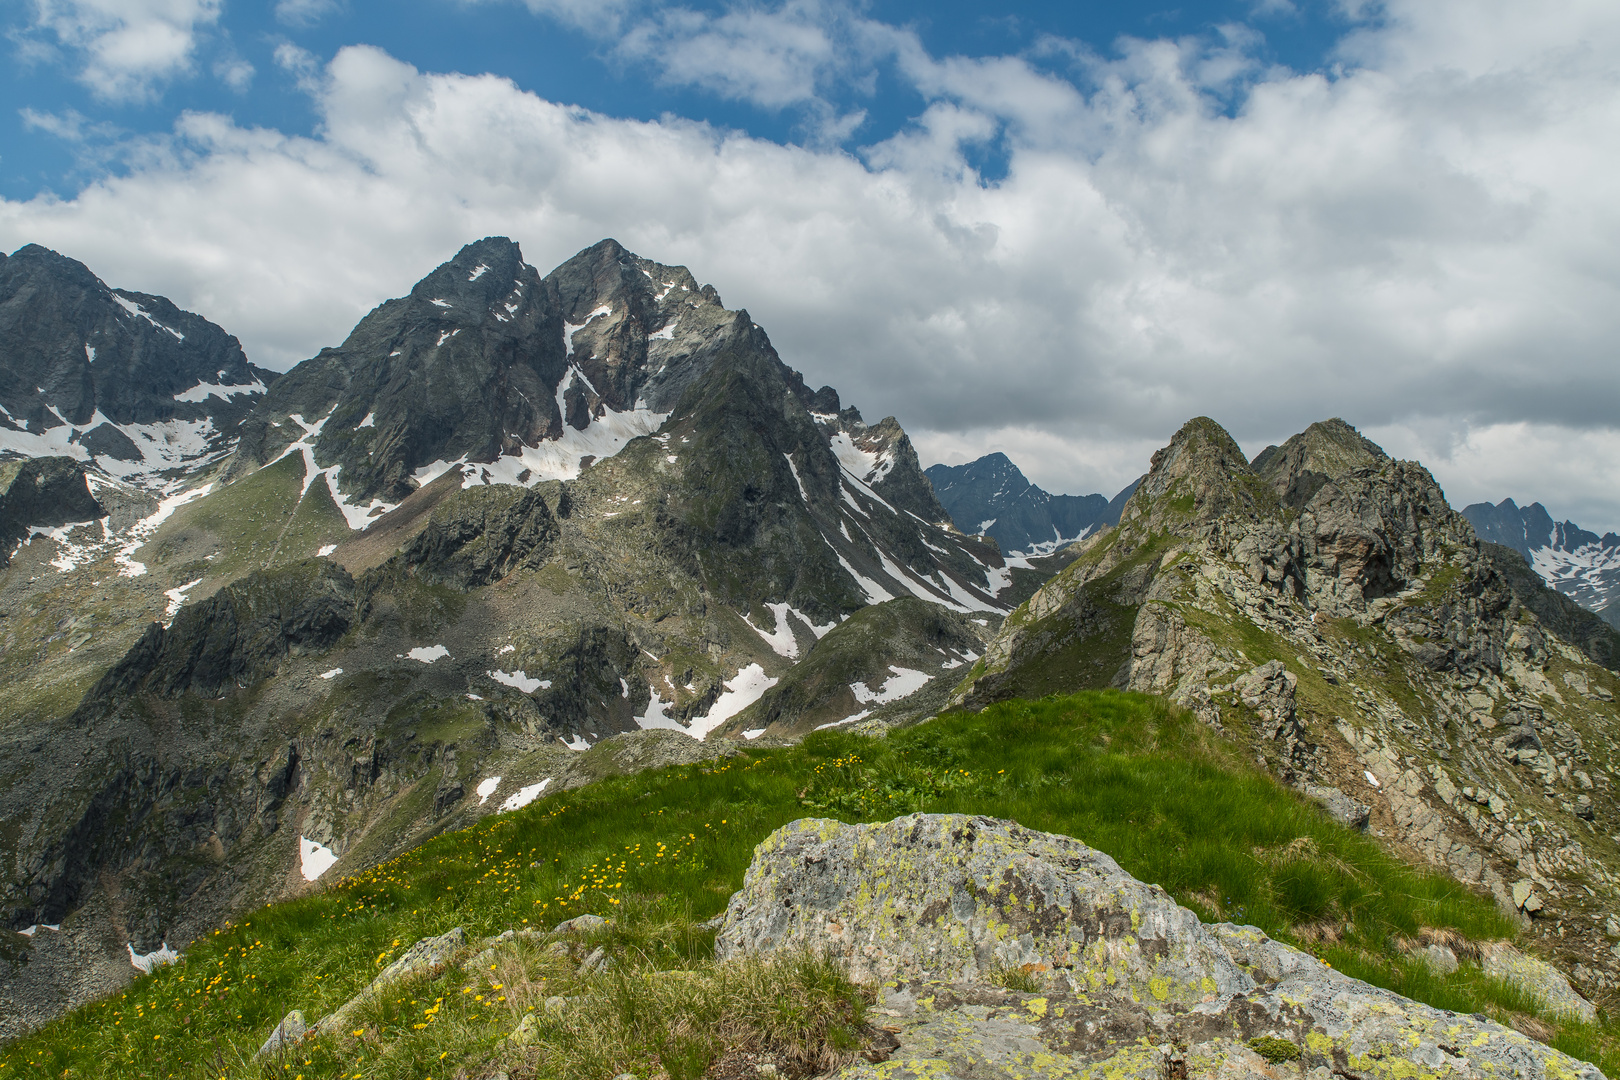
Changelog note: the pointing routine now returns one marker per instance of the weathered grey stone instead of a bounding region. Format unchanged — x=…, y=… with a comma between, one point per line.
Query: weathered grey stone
x=962, y=895
x=1537, y=978
x=1136, y=987
x=1440, y=960
x=287, y=1033
x=1341, y=807
x=427, y=957
x=580, y=924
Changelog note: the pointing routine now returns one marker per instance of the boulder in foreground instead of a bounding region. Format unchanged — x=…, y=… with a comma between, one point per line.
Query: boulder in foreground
x=944, y=910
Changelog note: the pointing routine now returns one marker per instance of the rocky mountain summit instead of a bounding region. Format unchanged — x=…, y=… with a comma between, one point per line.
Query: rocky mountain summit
x=511, y=517
x=124, y=380
x=1324, y=605
x=1579, y=564
x=992, y=497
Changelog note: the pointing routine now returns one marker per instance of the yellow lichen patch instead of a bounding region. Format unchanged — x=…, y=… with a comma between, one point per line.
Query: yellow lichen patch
x=1036, y=1006
x=1159, y=987
x=1318, y=1043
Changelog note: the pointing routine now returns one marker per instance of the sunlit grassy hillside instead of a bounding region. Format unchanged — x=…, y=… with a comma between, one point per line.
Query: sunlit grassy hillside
x=664, y=850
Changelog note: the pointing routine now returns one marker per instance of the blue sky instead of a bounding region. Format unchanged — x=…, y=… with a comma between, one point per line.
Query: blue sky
x=1058, y=231
x=232, y=67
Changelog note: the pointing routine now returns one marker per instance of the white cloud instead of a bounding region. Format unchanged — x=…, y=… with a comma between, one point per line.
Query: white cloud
x=127, y=48
x=302, y=64
x=770, y=58
x=304, y=12
x=601, y=17
x=1416, y=248
x=234, y=72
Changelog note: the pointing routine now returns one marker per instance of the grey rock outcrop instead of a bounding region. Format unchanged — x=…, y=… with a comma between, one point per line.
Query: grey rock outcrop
x=1341, y=807
x=427, y=957
x=934, y=905
x=289, y=1033
x=1537, y=978
x=962, y=896
x=43, y=492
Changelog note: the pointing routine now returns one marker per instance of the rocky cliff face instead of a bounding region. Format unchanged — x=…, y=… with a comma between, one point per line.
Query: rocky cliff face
x=991, y=496
x=123, y=379
x=1125, y=982
x=37, y=495
x=1328, y=607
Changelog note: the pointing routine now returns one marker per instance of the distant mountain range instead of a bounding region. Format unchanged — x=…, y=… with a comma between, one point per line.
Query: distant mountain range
x=991, y=497
x=121, y=380
x=1582, y=565
x=255, y=630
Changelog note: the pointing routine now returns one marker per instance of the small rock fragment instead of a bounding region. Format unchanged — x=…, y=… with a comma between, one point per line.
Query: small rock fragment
x=287, y=1033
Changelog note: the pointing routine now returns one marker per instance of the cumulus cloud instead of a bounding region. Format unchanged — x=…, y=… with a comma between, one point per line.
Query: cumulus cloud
x=127, y=49
x=1427, y=249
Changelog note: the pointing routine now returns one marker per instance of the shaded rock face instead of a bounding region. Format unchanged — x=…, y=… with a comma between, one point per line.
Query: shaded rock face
x=1300, y=467
x=1329, y=610
x=991, y=496
x=1584, y=629
x=930, y=906
x=481, y=537
x=486, y=357
x=236, y=637
x=75, y=352
x=45, y=492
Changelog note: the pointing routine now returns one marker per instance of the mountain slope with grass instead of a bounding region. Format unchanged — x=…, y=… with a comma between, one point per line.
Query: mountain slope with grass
x=376, y=607
x=1327, y=608
x=660, y=852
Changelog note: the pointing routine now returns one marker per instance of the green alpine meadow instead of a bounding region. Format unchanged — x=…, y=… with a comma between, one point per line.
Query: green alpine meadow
x=659, y=853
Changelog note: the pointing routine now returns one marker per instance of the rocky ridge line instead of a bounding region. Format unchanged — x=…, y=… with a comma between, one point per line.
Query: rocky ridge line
x=1328, y=608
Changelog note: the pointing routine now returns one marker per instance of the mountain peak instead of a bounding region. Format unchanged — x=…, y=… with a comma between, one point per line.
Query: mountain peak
x=1326, y=450
x=992, y=496
x=125, y=378
x=1200, y=476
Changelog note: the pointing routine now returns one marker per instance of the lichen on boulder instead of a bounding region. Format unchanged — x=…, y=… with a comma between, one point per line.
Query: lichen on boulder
x=954, y=896
x=933, y=908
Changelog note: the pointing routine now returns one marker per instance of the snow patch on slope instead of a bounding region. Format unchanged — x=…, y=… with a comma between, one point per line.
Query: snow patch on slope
x=524, y=796
x=742, y=690
x=519, y=680
x=314, y=859
x=570, y=329
x=902, y=682
x=203, y=391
